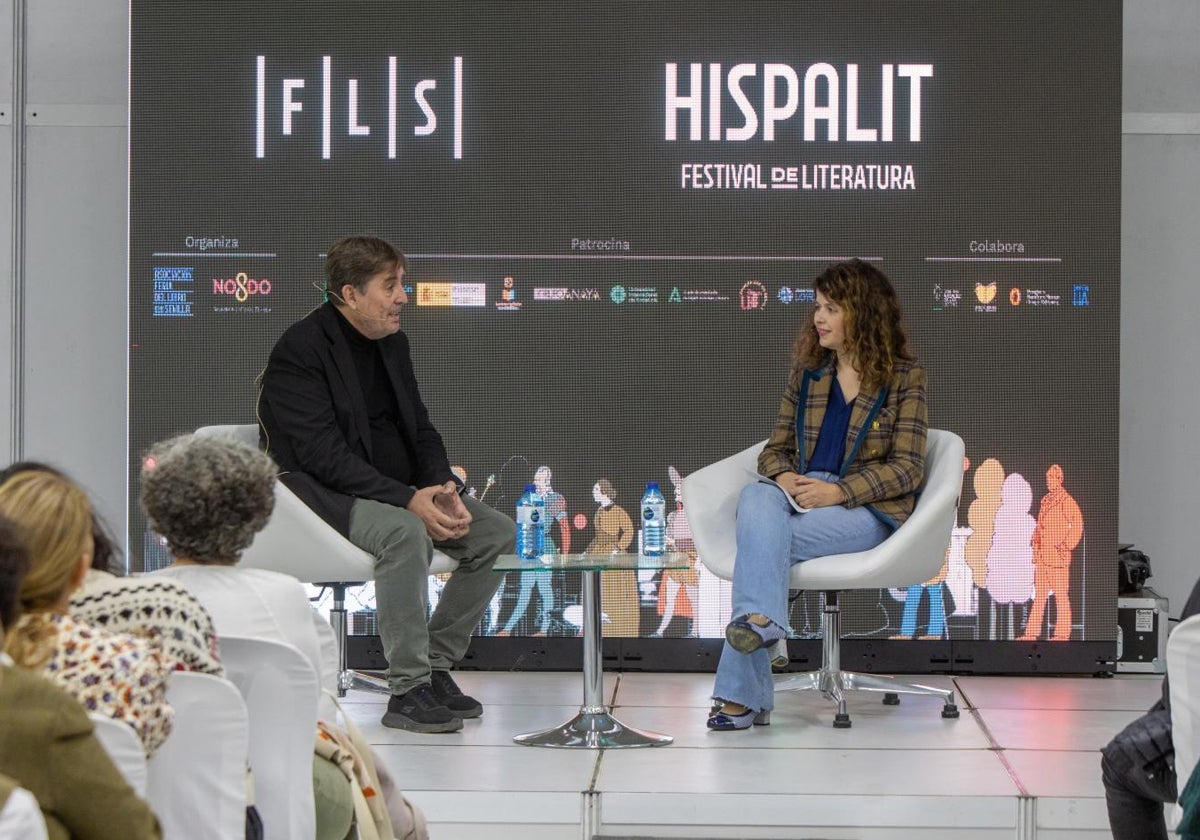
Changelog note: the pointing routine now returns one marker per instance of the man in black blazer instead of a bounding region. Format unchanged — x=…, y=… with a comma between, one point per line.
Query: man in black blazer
x=341, y=414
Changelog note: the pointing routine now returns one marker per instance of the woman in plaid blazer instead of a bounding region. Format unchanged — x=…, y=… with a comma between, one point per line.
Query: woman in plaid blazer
x=848, y=450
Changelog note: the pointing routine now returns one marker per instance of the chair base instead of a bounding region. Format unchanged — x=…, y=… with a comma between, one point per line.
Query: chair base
x=833, y=682
x=338, y=619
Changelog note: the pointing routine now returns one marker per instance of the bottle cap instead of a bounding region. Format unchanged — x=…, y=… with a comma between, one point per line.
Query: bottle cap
x=651, y=485
x=529, y=488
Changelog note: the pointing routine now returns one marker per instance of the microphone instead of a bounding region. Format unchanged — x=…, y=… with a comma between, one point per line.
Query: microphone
x=491, y=479
x=335, y=295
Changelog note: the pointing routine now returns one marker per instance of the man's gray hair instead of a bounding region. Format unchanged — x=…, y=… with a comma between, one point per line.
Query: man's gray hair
x=207, y=495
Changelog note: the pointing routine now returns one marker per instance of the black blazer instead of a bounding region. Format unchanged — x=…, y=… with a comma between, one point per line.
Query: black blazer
x=313, y=420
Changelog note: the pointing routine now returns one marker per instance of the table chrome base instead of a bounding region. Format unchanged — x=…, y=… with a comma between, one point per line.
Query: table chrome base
x=593, y=727
x=593, y=730
x=361, y=682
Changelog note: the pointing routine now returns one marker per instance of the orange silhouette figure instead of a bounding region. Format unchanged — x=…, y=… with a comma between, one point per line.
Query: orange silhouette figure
x=1059, y=530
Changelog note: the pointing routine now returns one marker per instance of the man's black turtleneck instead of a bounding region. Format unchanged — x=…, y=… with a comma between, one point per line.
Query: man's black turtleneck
x=391, y=451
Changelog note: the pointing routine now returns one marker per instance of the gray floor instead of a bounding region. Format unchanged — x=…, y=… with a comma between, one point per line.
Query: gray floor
x=1021, y=762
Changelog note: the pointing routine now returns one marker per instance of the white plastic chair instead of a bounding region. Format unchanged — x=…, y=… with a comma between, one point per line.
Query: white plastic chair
x=1183, y=671
x=124, y=748
x=21, y=816
x=912, y=554
x=198, y=776
x=299, y=543
x=280, y=690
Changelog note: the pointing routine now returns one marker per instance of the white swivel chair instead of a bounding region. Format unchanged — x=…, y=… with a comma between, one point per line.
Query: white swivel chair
x=913, y=554
x=198, y=776
x=280, y=690
x=297, y=542
x=124, y=748
x=1183, y=670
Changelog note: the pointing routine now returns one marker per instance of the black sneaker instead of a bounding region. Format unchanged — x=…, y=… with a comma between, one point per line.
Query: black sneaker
x=419, y=710
x=446, y=690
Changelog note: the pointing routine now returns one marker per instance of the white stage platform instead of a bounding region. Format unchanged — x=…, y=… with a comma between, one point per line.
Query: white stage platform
x=1021, y=762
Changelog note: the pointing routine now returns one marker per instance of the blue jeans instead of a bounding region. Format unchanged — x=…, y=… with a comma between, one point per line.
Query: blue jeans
x=545, y=591
x=937, y=610
x=771, y=537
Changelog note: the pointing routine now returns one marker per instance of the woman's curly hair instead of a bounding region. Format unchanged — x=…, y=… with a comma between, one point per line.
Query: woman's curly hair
x=875, y=336
x=207, y=495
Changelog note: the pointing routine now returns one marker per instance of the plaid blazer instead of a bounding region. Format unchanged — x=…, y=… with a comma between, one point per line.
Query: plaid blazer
x=885, y=443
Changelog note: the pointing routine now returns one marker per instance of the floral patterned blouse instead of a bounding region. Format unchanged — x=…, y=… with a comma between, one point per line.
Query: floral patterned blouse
x=112, y=674
x=151, y=608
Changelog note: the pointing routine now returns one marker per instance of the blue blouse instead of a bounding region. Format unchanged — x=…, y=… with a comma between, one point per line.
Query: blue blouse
x=831, y=442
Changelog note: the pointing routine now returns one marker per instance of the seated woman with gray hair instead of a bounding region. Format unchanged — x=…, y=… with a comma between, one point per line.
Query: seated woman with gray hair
x=208, y=497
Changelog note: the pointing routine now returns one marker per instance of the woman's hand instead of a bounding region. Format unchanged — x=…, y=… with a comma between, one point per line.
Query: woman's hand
x=789, y=481
x=814, y=493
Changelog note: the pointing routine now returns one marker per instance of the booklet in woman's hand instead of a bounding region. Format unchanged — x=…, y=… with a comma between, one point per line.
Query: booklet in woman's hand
x=765, y=480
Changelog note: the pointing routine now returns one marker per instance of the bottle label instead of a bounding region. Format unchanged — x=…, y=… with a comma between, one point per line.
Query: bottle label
x=528, y=515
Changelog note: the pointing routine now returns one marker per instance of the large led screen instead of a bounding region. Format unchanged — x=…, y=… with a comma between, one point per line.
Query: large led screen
x=613, y=214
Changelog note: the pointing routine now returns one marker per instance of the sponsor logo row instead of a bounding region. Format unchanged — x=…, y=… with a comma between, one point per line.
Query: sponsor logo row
x=992, y=295
x=175, y=291
x=178, y=290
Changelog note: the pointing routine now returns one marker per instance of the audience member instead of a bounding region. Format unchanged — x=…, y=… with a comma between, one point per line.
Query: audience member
x=1138, y=765
x=112, y=674
x=105, y=555
x=157, y=609
x=209, y=496
x=47, y=744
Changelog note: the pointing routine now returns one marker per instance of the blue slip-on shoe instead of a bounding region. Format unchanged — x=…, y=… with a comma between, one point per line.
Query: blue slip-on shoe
x=720, y=721
x=746, y=636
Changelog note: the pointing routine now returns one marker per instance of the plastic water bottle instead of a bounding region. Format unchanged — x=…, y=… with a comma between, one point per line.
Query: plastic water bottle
x=654, y=521
x=531, y=524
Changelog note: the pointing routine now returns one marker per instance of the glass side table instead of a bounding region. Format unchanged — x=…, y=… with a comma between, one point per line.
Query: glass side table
x=594, y=727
